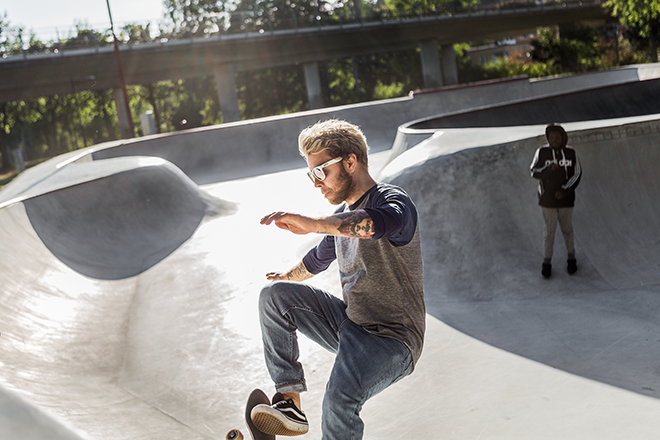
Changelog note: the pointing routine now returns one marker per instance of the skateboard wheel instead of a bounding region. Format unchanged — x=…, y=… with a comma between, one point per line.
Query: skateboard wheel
x=234, y=434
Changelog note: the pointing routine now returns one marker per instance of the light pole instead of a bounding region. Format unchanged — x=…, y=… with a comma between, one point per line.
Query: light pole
x=121, y=74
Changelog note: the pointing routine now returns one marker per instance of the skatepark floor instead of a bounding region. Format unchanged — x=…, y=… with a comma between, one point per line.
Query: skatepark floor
x=173, y=351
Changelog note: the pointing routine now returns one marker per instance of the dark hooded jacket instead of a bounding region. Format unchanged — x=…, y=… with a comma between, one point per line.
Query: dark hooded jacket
x=564, y=178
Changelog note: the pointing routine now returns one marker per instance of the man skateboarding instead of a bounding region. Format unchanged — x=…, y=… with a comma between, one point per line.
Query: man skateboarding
x=377, y=329
x=558, y=170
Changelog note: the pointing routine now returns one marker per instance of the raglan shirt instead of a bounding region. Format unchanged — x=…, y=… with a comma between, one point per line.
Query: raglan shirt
x=565, y=178
x=382, y=278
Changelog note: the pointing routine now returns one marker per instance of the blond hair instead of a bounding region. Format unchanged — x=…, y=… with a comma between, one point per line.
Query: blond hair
x=338, y=138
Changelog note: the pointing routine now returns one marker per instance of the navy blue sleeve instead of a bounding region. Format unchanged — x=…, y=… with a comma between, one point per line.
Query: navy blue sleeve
x=319, y=258
x=394, y=215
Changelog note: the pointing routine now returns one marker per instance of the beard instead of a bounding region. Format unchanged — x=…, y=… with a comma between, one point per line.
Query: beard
x=344, y=188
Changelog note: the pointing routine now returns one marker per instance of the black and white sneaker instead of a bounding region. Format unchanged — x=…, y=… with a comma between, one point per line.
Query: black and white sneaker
x=282, y=418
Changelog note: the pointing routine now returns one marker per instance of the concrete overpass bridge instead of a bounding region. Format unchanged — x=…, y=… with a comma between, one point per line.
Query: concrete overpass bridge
x=30, y=76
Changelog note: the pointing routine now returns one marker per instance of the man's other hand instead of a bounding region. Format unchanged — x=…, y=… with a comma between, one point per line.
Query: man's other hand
x=276, y=276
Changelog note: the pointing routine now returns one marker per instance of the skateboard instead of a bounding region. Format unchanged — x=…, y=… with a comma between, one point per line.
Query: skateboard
x=257, y=397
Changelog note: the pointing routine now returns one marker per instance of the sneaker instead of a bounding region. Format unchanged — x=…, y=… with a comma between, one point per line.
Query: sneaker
x=572, y=266
x=282, y=418
x=546, y=271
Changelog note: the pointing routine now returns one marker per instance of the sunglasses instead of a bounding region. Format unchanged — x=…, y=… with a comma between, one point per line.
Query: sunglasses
x=317, y=172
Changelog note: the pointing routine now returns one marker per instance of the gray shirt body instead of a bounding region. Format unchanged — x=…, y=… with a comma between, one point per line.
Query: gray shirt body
x=382, y=278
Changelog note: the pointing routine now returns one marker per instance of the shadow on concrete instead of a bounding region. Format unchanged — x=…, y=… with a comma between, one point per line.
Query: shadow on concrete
x=482, y=243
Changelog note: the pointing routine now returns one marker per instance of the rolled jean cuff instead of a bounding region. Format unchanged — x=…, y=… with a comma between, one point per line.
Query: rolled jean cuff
x=299, y=387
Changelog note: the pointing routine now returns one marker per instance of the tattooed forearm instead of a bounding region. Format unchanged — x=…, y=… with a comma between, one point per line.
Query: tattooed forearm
x=298, y=273
x=356, y=224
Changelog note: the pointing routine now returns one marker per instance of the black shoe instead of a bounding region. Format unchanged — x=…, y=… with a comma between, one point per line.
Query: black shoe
x=572, y=266
x=546, y=271
x=282, y=418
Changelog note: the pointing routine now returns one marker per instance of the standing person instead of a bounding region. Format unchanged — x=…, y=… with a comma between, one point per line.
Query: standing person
x=377, y=329
x=558, y=170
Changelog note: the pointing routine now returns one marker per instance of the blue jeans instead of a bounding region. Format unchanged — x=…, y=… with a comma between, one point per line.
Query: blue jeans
x=365, y=364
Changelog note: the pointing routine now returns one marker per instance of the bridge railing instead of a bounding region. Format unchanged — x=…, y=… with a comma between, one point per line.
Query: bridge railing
x=252, y=24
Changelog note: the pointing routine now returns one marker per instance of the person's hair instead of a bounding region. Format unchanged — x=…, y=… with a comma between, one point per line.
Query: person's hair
x=338, y=138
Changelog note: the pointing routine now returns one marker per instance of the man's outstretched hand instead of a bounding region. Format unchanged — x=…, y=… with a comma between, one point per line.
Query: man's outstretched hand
x=296, y=223
x=356, y=224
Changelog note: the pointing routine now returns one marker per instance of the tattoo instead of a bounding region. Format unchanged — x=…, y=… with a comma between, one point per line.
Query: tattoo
x=356, y=224
x=298, y=273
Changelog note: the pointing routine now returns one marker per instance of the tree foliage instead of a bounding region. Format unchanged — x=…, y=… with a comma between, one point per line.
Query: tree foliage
x=268, y=15
x=48, y=126
x=194, y=18
x=636, y=13
x=577, y=50
x=641, y=16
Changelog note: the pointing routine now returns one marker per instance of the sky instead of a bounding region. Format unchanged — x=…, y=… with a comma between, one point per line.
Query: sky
x=47, y=18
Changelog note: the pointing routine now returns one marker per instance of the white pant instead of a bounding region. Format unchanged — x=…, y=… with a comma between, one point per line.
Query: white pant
x=565, y=218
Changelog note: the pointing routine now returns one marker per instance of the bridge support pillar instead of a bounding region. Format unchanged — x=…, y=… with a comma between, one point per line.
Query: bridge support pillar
x=122, y=115
x=313, y=82
x=449, y=67
x=226, y=84
x=430, y=64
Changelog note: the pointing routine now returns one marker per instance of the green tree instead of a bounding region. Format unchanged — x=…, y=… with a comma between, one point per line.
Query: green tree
x=194, y=18
x=5, y=48
x=407, y=8
x=272, y=91
x=641, y=14
x=135, y=34
x=578, y=49
x=5, y=126
x=10, y=38
x=86, y=37
x=372, y=76
x=16, y=118
x=267, y=15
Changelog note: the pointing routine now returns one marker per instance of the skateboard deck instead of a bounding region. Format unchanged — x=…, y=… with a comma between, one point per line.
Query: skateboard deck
x=257, y=397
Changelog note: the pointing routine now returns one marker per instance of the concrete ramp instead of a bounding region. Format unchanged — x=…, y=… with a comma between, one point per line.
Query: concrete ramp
x=482, y=242
x=20, y=419
x=168, y=353
x=607, y=102
x=83, y=226
x=128, y=295
x=63, y=342
x=68, y=277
